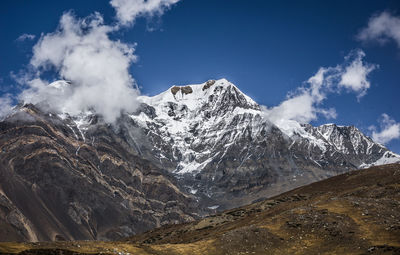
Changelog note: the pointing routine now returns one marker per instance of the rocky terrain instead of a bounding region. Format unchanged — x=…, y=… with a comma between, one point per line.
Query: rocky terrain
x=55, y=184
x=353, y=213
x=185, y=153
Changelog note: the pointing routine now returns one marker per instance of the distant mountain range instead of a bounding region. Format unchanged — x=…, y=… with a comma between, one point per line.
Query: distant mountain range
x=185, y=153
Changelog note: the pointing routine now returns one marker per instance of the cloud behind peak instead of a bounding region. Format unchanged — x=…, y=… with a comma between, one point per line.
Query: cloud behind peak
x=389, y=130
x=81, y=51
x=305, y=104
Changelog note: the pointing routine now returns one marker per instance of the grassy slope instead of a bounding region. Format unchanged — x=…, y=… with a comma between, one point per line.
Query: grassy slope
x=354, y=213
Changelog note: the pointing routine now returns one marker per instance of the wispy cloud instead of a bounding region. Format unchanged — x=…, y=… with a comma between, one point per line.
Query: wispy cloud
x=6, y=105
x=389, y=130
x=305, y=104
x=381, y=28
x=128, y=10
x=24, y=37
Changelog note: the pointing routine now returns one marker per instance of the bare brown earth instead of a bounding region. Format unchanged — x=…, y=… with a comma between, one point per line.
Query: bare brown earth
x=353, y=213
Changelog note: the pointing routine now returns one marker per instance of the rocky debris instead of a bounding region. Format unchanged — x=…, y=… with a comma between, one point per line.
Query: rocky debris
x=13, y=223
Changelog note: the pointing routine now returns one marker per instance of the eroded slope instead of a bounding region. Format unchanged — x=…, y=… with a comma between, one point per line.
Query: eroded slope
x=57, y=183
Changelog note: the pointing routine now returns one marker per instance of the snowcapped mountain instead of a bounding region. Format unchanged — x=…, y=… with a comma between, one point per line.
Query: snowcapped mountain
x=184, y=153
x=215, y=139
x=194, y=119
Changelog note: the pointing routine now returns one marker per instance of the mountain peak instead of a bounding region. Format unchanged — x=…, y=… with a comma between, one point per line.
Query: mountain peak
x=61, y=85
x=195, y=96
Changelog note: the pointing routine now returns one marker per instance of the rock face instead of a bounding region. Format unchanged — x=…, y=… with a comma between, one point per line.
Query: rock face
x=184, y=153
x=57, y=183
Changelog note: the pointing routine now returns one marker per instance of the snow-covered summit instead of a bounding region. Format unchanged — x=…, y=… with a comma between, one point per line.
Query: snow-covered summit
x=198, y=116
x=195, y=96
x=61, y=85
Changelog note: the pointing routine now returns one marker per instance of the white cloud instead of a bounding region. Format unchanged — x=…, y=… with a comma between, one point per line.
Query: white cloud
x=301, y=107
x=381, y=28
x=5, y=105
x=81, y=51
x=354, y=76
x=305, y=104
x=24, y=37
x=129, y=10
x=389, y=130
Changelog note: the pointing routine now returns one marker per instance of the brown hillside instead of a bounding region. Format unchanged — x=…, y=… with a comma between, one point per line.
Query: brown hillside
x=354, y=213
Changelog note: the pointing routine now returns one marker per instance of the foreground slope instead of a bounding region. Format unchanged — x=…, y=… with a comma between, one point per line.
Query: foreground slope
x=353, y=213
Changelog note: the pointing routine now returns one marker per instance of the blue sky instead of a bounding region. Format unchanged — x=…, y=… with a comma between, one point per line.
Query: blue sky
x=267, y=48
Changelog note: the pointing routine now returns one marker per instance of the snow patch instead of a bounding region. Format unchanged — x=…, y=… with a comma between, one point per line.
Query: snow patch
x=387, y=158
